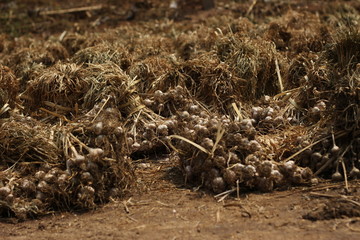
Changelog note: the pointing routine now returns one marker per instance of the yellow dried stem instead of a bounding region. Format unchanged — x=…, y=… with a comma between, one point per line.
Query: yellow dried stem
x=281, y=86
x=56, y=115
x=220, y=132
x=101, y=108
x=237, y=110
x=57, y=106
x=191, y=142
x=345, y=175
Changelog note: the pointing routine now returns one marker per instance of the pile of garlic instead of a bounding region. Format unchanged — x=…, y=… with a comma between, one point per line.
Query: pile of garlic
x=221, y=153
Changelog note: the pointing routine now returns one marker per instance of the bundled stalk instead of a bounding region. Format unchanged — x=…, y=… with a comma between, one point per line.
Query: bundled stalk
x=77, y=166
x=103, y=53
x=330, y=100
x=9, y=87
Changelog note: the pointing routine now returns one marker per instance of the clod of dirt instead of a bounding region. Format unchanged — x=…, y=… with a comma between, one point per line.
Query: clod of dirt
x=337, y=208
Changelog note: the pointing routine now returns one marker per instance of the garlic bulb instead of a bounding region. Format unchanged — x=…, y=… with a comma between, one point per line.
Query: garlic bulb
x=254, y=146
x=354, y=173
x=218, y=185
x=43, y=186
x=163, y=130
x=50, y=178
x=337, y=176
x=265, y=184
x=98, y=127
x=28, y=186
x=40, y=175
x=207, y=143
x=229, y=177
x=4, y=192
x=158, y=95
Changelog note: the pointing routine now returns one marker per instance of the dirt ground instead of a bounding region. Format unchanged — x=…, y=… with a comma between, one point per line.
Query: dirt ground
x=162, y=206
x=165, y=209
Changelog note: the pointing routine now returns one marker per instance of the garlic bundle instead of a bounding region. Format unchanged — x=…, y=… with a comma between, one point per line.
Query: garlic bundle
x=236, y=158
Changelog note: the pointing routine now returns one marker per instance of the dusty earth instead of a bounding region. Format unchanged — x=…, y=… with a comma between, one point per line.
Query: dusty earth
x=162, y=206
x=165, y=209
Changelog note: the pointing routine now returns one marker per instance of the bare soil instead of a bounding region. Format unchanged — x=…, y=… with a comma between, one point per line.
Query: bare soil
x=165, y=209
